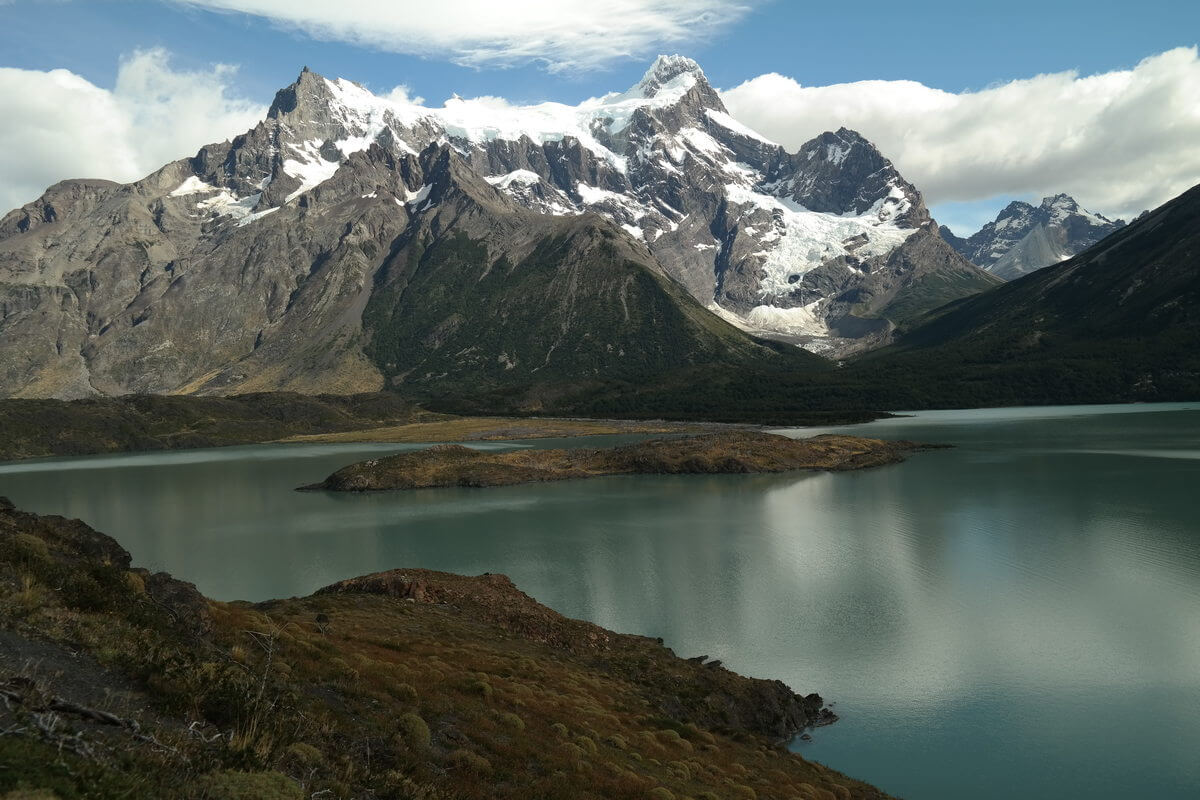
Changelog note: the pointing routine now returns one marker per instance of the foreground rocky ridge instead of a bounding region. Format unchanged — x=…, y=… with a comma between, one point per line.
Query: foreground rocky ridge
x=406, y=684
x=736, y=452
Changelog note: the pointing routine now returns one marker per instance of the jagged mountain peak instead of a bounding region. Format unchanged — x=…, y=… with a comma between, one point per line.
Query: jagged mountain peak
x=849, y=136
x=1062, y=199
x=842, y=172
x=813, y=246
x=659, y=160
x=1024, y=237
x=842, y=144
x=1016, y=208
x=674, y=70
x=1060, y=206
x=307, y=93
x=674, y=89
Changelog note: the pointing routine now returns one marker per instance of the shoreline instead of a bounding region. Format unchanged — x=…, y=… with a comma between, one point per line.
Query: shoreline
x=448, y=679
x=148, y=423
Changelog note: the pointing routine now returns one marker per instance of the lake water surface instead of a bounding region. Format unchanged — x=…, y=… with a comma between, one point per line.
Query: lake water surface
x=1017, y=616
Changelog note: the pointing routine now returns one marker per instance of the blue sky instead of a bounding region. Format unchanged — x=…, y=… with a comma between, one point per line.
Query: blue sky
x=946, y=45
x=951, y=46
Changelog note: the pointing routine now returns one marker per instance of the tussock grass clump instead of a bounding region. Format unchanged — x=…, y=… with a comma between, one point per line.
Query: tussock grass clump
x=25, y=550
x=467, y=760
x=512, y=721
x=232, y=785
x=481, y=687
x=303, y=758
x=404, y=692
x=414, y=731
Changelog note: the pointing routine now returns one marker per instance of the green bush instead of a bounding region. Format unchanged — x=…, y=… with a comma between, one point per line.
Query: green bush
x=26, y=549
x=405, y=692
x=303, y=757
x=231, y=785
x=466, y=760
x=414, y=732
x=513, y=721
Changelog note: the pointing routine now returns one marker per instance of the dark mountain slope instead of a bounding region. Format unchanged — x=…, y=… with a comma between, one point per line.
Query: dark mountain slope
x=483, y=298
x=1119, y=322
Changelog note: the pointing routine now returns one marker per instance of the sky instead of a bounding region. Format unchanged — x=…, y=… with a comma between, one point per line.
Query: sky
x=976, y=105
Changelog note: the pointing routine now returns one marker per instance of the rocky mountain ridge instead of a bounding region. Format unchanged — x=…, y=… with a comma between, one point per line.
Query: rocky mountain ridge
x=350, y=242
x=1024, y=238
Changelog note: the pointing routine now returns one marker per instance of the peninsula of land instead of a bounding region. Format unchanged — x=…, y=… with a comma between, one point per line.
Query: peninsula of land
x=117, y=682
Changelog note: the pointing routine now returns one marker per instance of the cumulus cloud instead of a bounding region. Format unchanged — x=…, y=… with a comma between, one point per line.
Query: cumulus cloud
x=1119, y=142
x=561, y=34
x=59, y=125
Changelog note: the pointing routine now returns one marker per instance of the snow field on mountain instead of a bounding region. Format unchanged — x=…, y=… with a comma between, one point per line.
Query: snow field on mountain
x=807, y=239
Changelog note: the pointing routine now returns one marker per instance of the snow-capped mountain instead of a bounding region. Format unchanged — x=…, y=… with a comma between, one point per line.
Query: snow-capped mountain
x=1024, y=238
x=289, y=256
x=791, y=243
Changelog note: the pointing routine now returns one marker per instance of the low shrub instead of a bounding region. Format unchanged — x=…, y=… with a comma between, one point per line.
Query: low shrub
x=232, y=785
x=414, y=732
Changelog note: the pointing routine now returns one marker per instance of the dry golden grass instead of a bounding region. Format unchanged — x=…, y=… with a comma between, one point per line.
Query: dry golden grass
x=482, y=429
x=469, y=692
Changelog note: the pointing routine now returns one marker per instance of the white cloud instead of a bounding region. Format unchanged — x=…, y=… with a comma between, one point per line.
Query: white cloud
x=402, y=94
x=58, y=125
x=1119, y=142
x=562, y=34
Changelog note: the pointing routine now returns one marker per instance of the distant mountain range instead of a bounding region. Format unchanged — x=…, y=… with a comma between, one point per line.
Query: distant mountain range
x=1024, y=238
x=350, y=242
x=1119, y=321
x=638, y=254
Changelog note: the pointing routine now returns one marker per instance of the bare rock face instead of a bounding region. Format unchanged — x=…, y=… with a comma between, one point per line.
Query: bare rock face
x=349, y=242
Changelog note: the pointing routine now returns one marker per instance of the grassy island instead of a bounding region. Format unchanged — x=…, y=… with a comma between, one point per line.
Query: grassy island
x=737, y=451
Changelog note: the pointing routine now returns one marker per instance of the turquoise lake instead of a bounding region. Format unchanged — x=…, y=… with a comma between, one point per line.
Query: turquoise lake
x=1016, y=616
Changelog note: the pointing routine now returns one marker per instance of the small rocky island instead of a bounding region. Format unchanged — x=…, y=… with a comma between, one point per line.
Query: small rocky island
x=729, y=452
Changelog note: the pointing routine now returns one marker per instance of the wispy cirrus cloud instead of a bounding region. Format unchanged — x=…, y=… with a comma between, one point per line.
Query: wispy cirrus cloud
x=563, y=35
x=1119, y=141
